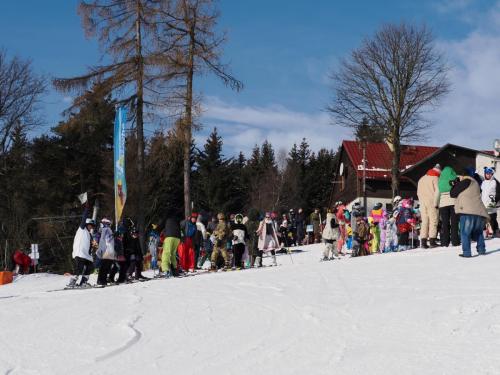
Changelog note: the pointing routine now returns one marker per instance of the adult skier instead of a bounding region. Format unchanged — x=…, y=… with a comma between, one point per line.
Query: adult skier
x=82, y=251
x=105, y=252
x=240, y=237
x=490, y=195
x=268, y=239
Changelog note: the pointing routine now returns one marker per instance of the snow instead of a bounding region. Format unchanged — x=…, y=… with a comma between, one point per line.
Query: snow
x=416, y=312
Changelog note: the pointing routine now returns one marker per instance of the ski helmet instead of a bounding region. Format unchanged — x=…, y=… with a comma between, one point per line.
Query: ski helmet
x=378, y=206
x=106, y=221
x=90, y=221
x=489, y=170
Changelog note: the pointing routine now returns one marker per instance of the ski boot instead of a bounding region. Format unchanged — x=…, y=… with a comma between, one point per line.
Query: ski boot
x=258, y=262
x=213, y=267
x=72, y=282
x=432, y=243
x=84, y=283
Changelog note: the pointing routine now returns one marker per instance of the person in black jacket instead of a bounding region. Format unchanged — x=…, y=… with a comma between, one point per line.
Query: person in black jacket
x=300, y=223
x=240, y=237
x=172, y=234
x=133, y=252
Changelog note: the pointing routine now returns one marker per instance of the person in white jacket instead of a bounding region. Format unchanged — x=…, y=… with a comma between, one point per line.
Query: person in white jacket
x=105, y=252
x=489, y=196
x=329, y=236
x=82, y=251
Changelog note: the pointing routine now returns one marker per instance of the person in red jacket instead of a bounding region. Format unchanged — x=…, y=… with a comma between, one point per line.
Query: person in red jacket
x=22, y=262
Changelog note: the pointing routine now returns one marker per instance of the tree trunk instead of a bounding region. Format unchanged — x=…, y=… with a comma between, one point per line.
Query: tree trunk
x=188, y=121
x=140, y=125
x=395, y=171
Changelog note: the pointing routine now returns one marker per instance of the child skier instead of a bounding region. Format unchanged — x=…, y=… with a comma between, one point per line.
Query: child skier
x=329, y=237
x=105, y=252
x=405, y=220
x=362, y=236
x=268, y=239
x=221, y=235
x=82, y=251
x=240, y=237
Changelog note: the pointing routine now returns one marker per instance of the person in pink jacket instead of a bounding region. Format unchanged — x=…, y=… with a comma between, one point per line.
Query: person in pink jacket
x=426, y=191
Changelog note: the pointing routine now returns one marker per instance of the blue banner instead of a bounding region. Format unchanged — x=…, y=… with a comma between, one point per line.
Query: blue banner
x=119, y=159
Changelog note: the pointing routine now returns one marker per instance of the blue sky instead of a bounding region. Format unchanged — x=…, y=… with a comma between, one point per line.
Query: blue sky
x=283, y=51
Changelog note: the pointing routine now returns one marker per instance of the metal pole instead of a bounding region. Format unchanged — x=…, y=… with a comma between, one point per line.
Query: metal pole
x=365, y=203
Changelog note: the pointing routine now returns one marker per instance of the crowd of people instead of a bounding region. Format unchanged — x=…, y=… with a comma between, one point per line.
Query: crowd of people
x=233, y=242
x=452, y=209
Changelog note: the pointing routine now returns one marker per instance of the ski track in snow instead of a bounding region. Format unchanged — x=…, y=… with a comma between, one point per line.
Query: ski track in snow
x=420, y=311
x=129, y=344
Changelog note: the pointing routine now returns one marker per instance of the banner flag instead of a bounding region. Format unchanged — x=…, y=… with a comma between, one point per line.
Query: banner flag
x=119, y=162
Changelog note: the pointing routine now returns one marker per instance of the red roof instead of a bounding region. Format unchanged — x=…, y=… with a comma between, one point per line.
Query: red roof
x=379, y=157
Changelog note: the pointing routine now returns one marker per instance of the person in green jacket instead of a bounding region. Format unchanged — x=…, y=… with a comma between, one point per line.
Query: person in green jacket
x=446, y=205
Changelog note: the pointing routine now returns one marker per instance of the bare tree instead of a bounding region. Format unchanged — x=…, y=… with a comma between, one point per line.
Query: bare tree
x=127, y=31
x=20, y=92
x=193, y=47
x=391, y=80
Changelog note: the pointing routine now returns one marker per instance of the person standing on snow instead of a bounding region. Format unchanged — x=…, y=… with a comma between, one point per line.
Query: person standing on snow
x=284, y=230
x=105, y=252
x=133, y=252
x=222, y=235
x=472, y=212
x=315, y=220
x=172, y=233
x=329, y=236
x=201, y=237
x=268, y=239
x=300, y=222
x=209, y=241
x=240, y=237
x=426, y=190
x=490, y=195
x=82, y=251
x=153, y=241
x=446, y=204
x=186, y=250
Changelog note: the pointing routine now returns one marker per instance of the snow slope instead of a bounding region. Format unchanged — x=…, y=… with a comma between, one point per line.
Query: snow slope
x=417, y=312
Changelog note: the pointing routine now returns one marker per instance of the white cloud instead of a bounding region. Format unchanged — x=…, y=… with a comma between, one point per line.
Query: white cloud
x=244, y=126
x=470, y=115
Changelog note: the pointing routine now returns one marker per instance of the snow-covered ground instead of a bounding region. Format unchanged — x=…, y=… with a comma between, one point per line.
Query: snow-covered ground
x=417, y=312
